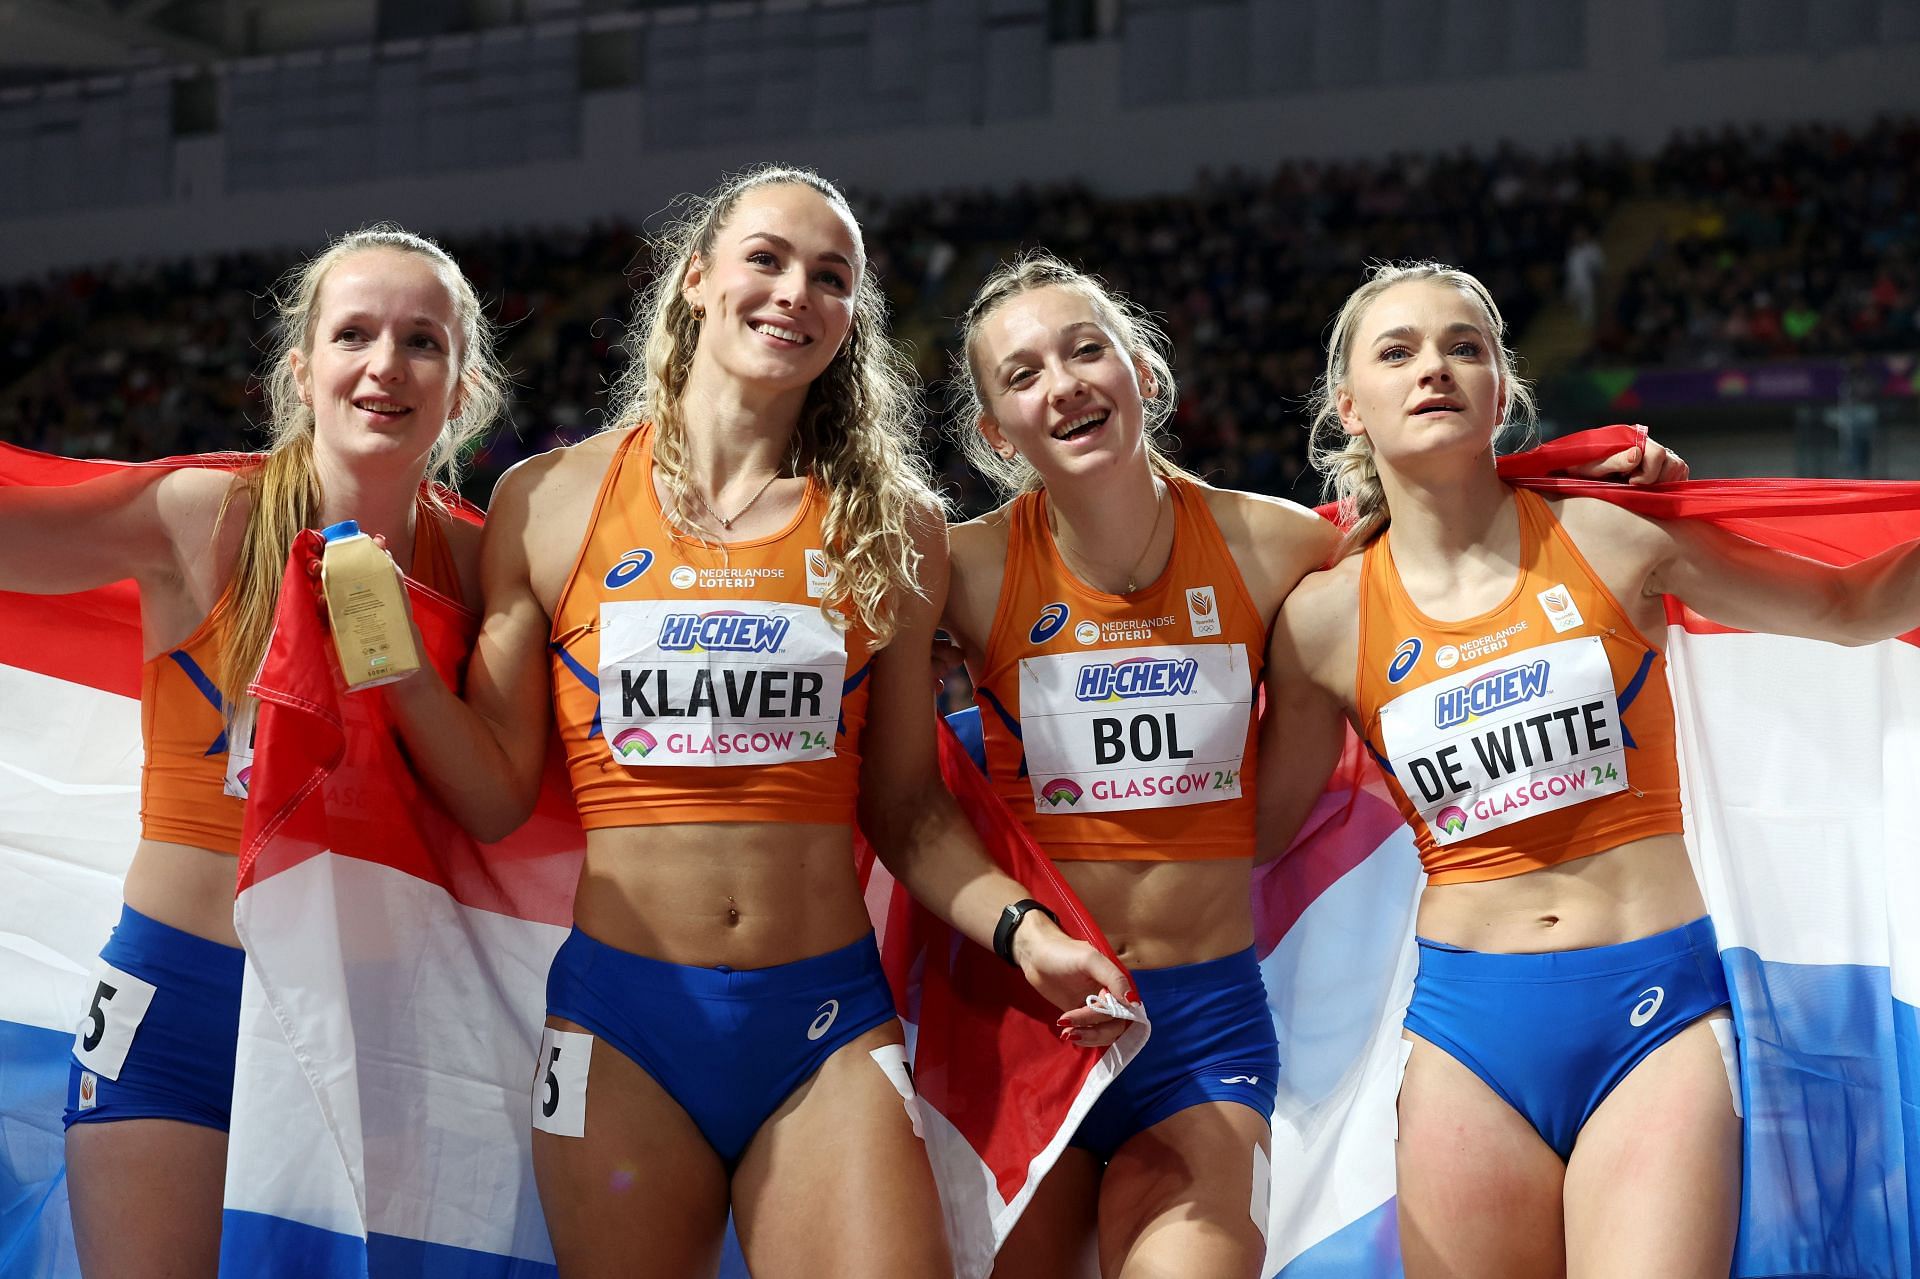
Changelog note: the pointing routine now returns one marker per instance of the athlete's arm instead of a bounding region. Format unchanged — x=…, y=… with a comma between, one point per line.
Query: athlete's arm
x=1757, y=588
x=1304, y=723
x=1742, y=584
x=977, y=569
x=136, y=522
x=919, y=831
x=482, y=757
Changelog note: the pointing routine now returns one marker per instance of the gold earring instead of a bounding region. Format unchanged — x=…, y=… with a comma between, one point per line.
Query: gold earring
x=699, y=311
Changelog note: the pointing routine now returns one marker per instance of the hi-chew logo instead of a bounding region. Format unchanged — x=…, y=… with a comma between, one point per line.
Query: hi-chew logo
x=1451, y=819
x=723, y=631
x=1561, y=611
x=1052, y=618
x=1136, y=677
x=630, y=567
x=1404, y=658
x=634, y=743
x=1203, y=611
x=1060, y=791
x=1492, y=691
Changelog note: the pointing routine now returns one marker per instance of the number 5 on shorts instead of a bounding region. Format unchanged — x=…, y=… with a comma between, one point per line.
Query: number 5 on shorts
x=560, y=1082
x=116, y=1006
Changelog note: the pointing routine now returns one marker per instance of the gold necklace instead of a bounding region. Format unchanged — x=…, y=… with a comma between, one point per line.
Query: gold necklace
x=1133, y=573
x=726, y=521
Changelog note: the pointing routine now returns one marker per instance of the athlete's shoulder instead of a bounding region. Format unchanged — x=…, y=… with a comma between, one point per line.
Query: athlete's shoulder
x=1327, y=596
x=559, y=474
x=1274, y=541
x=983, y=539
x=1584, y=517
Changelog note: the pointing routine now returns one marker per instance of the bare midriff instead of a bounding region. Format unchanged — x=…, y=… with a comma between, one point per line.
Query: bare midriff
x=1159, y=914
x=1634, y=890
x=185, y=887
x=734, y=894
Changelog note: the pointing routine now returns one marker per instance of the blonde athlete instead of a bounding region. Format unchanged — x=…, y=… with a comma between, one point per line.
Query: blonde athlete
x=1114, y=615
x=383, y=368
x=725, y=606
x=1566, y=1107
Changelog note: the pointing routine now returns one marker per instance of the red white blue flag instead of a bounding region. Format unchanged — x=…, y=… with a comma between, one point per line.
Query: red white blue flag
x=394, y=986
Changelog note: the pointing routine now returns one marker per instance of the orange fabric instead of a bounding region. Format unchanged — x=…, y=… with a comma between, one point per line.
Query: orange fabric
x=183, y=726
x=1487, y=662
x=1136, y=790
x=720, y=684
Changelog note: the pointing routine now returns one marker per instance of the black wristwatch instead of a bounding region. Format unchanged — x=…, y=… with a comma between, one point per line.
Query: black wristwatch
x=1009, y=920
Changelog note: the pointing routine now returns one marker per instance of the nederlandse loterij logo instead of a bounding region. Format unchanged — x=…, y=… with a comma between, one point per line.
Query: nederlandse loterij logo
x=1061, y=790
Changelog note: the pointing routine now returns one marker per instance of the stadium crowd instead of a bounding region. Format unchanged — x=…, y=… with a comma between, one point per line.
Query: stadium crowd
x=1793, y=242
x=1800, y=242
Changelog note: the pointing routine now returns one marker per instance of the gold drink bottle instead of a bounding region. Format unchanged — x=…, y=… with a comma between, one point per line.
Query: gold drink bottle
x=371, y=627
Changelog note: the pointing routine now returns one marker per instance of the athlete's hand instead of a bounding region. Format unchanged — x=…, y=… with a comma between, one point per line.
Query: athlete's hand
x=1653, y=463
x=1066, y=971
x=947, y=658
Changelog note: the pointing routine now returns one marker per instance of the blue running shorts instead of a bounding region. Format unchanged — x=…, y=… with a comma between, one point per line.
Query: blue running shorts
x=1553, y=1033
x=729, y=1045
x=161, y=1026
x=1212, y=1040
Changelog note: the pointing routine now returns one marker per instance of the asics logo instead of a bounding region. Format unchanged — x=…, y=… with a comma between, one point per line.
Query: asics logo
x=1650, y=1000
x=823, y=1021
x=1240, y=1079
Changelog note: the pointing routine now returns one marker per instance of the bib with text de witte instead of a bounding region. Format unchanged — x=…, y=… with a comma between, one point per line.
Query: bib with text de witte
x=697, y=683
x=1481, y=749
x=1128, y=728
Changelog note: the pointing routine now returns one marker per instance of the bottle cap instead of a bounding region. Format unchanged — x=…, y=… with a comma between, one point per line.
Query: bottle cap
x=344, y=529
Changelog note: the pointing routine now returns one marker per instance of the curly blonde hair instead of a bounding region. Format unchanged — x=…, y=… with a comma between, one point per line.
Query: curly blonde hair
x=1135, y=329
x=1346, y=461
x=859, y=431
x=283, y=490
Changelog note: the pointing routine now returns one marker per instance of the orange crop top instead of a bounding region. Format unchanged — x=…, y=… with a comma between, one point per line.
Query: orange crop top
x=192, y=789
x=703, y=684
x=1120, y=727
x=1534, y=734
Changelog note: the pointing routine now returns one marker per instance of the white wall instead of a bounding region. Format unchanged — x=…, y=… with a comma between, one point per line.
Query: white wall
x=1627, y=89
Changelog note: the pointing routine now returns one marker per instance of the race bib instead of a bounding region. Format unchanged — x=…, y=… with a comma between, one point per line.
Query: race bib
x=1484, y=748
x=240, y=749
x=117, y=1005
x=1127, y=728
x=560, y=1082
x=685, y=684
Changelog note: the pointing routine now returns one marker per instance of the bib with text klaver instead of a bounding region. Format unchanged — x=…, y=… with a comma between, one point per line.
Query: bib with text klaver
x=698, y=683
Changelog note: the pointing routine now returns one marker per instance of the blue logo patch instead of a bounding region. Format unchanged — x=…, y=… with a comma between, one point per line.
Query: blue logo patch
x=631, y=566
x=1404, y=658
x=1048, y=624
